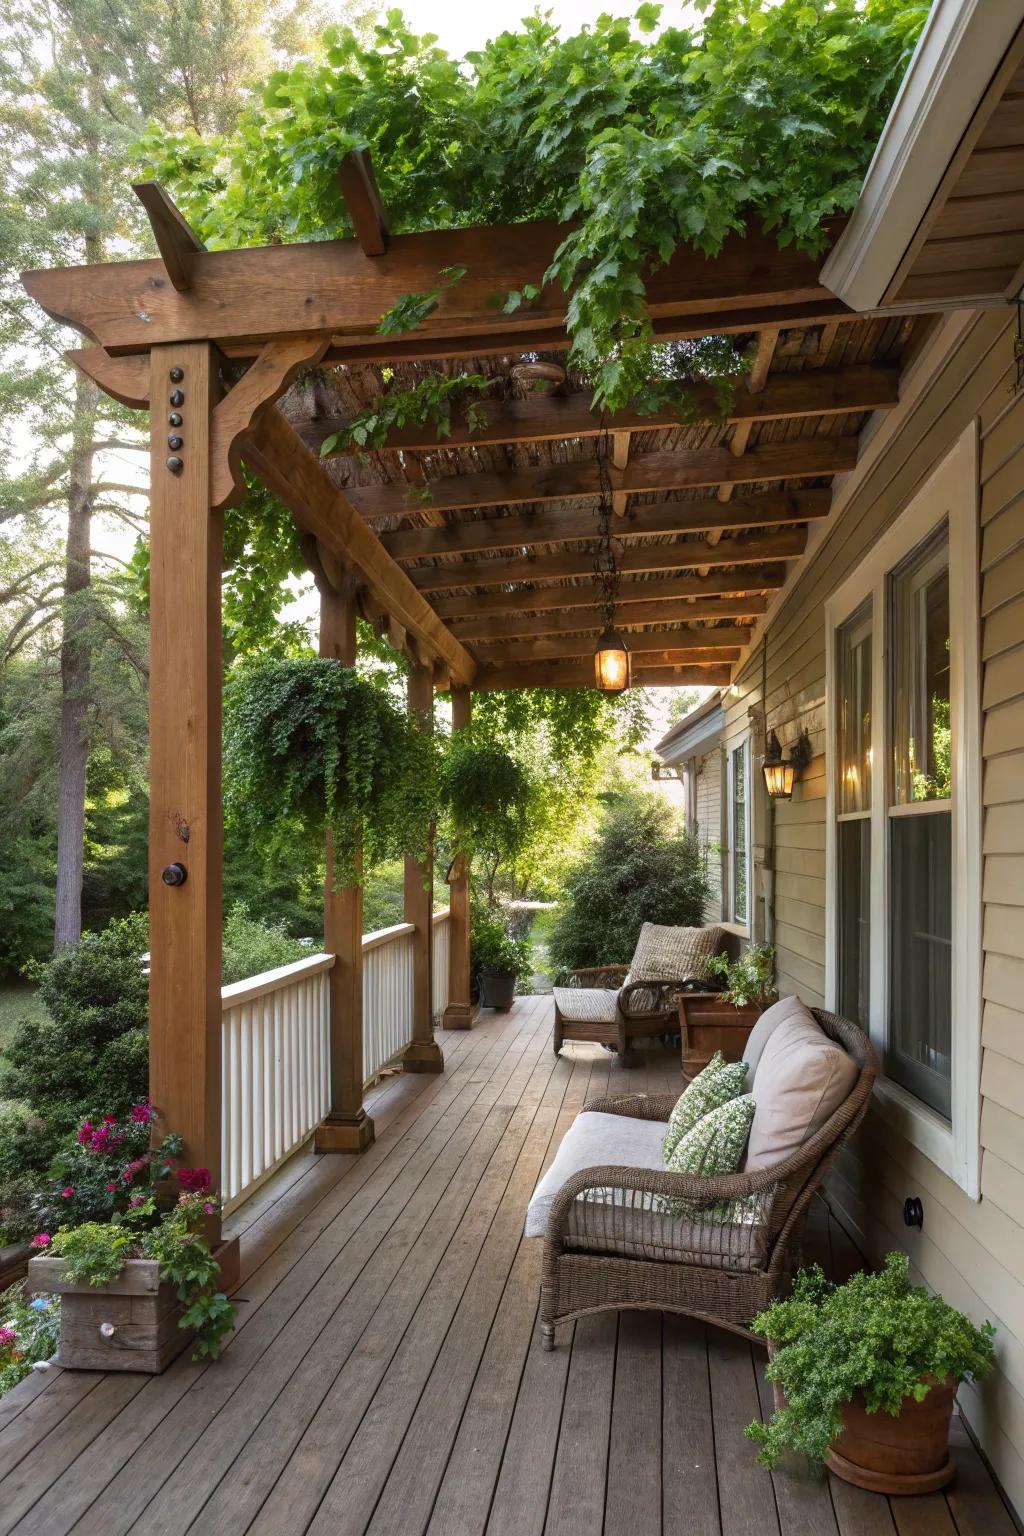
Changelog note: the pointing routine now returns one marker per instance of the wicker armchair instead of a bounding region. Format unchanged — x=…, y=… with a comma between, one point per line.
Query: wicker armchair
x=719, y=1249
x=615, y=1013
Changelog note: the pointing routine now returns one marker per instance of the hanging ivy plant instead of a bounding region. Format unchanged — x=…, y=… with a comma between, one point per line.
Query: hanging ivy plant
x=487, y=795
x=311, y=747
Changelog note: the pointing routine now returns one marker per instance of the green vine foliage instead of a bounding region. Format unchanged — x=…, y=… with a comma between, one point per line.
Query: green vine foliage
x=310, y=746
x=487, y=795
x=878, y=1335
x=645, y=139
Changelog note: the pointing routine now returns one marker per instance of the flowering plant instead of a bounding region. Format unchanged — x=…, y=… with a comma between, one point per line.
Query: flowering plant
x=106, y=1167
x=28, y=1333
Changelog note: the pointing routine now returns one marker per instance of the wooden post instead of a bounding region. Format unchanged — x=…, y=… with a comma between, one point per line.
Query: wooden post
x=460, y=1013
x=424, y=1054
x=347, y=1128
x=185, y=816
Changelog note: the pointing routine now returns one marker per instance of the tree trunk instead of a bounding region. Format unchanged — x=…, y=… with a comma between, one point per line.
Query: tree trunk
x=74, y=673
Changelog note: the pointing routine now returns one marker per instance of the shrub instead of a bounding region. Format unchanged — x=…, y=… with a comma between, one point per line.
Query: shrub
x=877, y=1335
x=639, y=870
x=251, y=946
x=29, y=1330
x=492, y=948
x=751, y=978
x=92, y=1049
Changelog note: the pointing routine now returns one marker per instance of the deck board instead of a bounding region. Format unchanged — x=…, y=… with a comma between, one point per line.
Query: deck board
x=386, y=1379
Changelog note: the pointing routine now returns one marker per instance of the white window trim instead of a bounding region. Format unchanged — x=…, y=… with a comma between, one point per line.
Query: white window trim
x=730, y=923
x=950, y=493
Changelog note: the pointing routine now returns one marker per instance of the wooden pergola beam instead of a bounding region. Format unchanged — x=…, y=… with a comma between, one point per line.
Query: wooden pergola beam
x=479, y=534
x=696, y=646
x=364, y=203
x=683, y=555
x=537, y=599
x=288, y=468
x=243, y=298
x=175, y=238
x=558, y=622
x=682, y=470
x=580, y=674
x=832, y=392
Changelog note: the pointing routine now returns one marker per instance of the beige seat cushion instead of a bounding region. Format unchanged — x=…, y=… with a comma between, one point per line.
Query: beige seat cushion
x=587, y=1005
x=594, y=1140
x=763, y=1030
x=802, y=1078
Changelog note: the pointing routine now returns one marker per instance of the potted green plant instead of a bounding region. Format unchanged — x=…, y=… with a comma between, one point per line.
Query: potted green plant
x=497, y=961
x=722, y=1020
x=865, y=1375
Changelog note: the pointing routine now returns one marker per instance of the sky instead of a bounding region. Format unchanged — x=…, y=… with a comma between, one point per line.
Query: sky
x=463, y=25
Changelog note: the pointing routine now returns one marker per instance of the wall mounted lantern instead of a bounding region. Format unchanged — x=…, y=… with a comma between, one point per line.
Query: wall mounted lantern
x=781, y=773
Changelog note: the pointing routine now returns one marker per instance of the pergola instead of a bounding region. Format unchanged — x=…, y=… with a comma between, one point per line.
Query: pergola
x=475, y=554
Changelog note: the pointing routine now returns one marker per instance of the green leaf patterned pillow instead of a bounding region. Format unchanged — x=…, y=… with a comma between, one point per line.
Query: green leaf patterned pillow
x=715, y=1145
x=719, y=1082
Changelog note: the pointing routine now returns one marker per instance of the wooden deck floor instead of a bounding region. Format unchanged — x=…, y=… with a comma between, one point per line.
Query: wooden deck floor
x=386, y=1378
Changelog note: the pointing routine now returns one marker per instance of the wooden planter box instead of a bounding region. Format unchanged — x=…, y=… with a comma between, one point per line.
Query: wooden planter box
x=142, y=1312
x=707, y=1024
x=14, y=1263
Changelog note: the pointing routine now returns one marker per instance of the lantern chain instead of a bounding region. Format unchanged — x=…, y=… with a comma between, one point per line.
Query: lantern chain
x=605, y=567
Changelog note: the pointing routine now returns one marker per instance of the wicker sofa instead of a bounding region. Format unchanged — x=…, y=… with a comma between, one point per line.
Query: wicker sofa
x=613, y=1005
x=620, y=1235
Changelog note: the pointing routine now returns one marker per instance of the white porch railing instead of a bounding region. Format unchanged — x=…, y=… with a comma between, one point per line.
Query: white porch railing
x=276, y=1047
x=275, y=1070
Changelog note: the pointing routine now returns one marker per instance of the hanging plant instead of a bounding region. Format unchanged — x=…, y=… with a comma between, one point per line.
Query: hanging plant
x=311, y=747
x=487, y=795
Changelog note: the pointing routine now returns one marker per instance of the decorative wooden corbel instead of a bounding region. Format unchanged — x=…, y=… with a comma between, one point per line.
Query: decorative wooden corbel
x=125, y=379
x=239, y=411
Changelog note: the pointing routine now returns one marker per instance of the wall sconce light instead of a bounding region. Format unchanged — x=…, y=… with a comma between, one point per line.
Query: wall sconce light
x=780, y=773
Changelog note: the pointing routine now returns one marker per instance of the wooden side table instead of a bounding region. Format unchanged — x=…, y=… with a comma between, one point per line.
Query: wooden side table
x=708, y=1024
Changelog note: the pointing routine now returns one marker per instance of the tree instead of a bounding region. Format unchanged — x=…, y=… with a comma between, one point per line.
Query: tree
x=78, y=81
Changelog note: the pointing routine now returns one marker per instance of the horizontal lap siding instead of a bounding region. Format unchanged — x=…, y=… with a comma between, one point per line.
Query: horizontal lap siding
x=709, y=826
x=972, y=1251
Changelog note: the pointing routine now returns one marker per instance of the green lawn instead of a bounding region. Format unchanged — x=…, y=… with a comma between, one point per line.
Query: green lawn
x=18, y=999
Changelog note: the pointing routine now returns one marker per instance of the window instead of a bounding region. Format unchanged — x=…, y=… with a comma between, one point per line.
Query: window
x=739, y=836
x=904, y=818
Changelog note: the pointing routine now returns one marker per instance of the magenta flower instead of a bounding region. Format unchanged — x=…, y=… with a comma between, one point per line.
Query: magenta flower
x=66, y=1194
x=141, y=1114
x=109, y=1119
x=84, y=1132
x=111, y=1188
x=136, y=1201
x=196, y=1180
x=209, y=1208
x=8, y=1336
x=41, y=1240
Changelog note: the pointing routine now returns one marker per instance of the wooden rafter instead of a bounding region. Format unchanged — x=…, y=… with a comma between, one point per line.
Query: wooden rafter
x=510, y=626
x=292, y=472
x=363, y=201
x=688, y=555
x=684, y=469
x=243, y=298
x=175, y=238
x=535, y=529
x=580, y=674
x=696, y=646
x=831, y=392
x=536, y=599
x=756, y=379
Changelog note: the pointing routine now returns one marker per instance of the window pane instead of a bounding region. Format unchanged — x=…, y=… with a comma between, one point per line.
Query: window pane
x=739, y=834
x=854, y=722
x=920, y=956
x=920, y=675
x=854, y=842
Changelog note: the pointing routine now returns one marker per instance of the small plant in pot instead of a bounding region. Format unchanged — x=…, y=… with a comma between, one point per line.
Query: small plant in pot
x=865, y=1375
x=723, y=1022
x=497, y=961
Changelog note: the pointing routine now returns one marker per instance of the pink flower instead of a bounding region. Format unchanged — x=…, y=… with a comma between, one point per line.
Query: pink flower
x=141, y=1114
x=136, y=1201
x=209, y=1208
x=136, y=1165
x=66, y=1194
x=8, y=1336
x=41, y=1240
x=109, y=1119
x=196, y=1180
x=84, y=1132
x=111, y=1188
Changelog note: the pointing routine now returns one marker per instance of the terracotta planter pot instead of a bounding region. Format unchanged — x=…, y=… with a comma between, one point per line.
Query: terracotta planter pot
x=129, y=1325
x=908, y=1454
x=707, y=1024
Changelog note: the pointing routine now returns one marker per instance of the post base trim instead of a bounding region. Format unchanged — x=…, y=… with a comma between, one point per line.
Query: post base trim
x=460, y=1016
x=344, y=1133
x=423, y=1056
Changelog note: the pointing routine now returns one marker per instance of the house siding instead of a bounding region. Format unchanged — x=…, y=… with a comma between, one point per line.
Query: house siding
x=972, y=1251
x=708, y=802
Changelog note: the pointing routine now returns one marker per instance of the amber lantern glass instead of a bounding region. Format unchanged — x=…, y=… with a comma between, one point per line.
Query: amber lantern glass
x=611, y=663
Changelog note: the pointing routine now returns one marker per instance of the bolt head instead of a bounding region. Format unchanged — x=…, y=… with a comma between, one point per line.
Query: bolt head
x=177, y=374
x=174, y=441
x=174, y=419
x=175, y=465
x=177, y=397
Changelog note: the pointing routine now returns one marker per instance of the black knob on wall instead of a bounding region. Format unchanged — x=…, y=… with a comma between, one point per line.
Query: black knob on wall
x=177, y=397
x=913, y=1212
x=177, y=374
x=174, y=874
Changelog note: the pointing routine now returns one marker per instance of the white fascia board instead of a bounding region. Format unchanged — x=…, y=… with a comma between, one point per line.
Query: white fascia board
x=699, y=739
x=956, y=56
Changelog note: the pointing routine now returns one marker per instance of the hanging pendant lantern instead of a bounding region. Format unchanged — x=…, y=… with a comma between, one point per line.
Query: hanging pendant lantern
x=612, y=669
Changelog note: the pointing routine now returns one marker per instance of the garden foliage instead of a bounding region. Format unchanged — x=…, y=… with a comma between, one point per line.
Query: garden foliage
x=640, y=869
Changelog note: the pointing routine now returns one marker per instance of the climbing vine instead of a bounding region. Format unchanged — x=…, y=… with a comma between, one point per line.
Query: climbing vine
x=644, y=138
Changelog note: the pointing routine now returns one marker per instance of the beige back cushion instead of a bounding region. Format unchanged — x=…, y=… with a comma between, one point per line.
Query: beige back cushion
x=763, y=1030
x=801, y=1080
x=673, y=954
